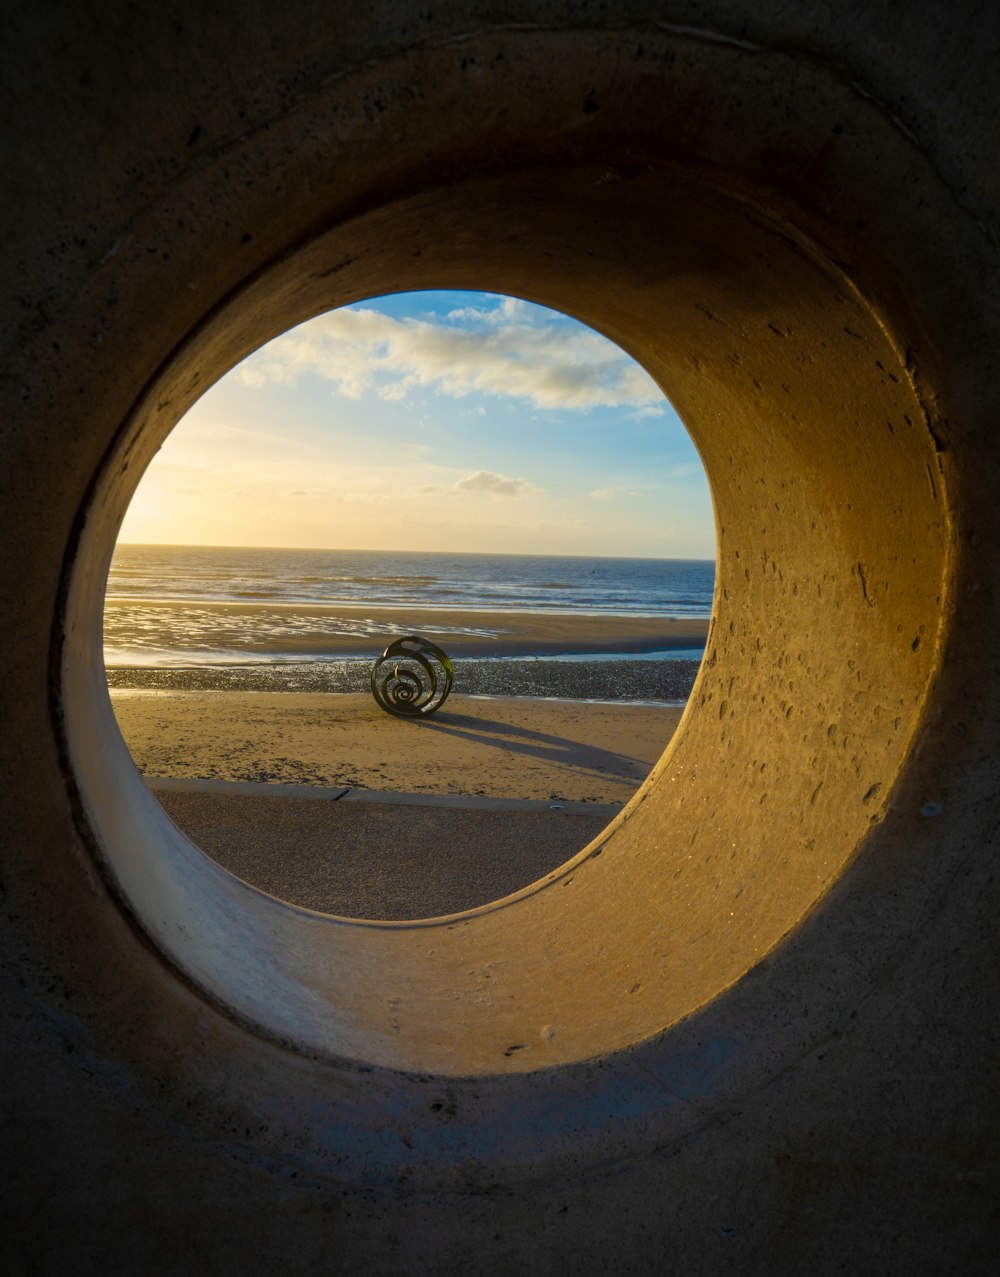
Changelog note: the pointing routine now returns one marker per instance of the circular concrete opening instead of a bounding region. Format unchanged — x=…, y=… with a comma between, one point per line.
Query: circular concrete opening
x=831, y=554
x=240, y=675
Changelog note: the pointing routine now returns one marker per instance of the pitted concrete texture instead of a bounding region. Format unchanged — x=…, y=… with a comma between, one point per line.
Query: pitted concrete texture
x=751, y=1026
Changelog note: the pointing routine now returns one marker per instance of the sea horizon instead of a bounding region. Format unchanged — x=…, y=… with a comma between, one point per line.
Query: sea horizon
x=455, y=580
x=319, y=549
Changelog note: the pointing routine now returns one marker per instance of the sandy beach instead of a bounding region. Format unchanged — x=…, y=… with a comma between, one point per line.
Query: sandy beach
x=326, y=801
x=287, y=772
x=519, y=748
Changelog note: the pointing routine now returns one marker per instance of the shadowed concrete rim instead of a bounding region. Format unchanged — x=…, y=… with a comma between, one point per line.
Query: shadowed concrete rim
x=605, y=241
x=818, y=626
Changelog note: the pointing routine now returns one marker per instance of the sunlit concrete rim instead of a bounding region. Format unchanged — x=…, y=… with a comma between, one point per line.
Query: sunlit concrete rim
x=463, y=996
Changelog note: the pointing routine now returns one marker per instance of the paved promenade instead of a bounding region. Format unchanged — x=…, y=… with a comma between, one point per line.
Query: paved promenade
x=379, y=855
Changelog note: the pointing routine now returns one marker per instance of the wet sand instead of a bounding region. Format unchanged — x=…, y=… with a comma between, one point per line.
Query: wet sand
x=344, y=630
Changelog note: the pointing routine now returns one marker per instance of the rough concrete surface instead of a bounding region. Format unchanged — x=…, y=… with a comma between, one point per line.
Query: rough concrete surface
x=752, y=1028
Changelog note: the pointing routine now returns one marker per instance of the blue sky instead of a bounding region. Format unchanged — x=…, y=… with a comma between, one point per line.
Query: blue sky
x=432, y=421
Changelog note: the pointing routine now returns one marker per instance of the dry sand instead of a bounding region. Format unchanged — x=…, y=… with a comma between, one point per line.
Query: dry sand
x=523, y=748
x=221, y=762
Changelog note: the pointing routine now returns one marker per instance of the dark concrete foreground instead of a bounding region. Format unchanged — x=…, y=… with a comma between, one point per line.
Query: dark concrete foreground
x=381, y=859
x=755, y=1031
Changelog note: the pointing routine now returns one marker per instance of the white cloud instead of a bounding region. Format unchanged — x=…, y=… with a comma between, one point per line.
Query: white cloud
x=511, y=349
x=489, y=481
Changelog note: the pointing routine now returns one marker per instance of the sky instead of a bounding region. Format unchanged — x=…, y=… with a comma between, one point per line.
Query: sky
x=432, y=421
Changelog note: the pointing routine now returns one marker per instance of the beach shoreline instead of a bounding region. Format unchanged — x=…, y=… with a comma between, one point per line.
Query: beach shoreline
x=318, y=631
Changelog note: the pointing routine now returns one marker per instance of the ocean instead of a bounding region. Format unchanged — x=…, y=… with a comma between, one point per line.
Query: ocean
x=220, y=617
x=480, y=582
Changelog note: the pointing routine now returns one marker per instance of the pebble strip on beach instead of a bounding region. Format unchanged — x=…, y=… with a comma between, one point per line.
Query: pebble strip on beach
x=666, y=681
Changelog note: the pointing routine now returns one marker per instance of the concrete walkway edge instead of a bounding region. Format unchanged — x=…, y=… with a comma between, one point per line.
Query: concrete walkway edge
x=327, y=793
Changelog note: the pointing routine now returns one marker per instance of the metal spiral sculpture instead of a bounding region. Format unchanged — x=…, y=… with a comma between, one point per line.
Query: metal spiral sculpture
x=412, y=677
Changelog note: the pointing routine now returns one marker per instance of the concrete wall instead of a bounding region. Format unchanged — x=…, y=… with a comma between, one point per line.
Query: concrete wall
x=751, y=1027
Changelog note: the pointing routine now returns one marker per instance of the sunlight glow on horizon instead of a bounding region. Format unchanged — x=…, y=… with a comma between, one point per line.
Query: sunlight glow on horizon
x=434, y=422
